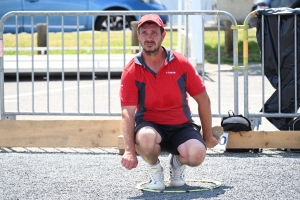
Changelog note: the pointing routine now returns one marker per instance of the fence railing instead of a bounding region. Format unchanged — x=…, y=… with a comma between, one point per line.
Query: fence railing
x=94, y=96
x=277, y=99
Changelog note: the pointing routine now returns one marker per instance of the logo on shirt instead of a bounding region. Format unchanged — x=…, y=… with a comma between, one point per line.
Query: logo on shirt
x=170, y=72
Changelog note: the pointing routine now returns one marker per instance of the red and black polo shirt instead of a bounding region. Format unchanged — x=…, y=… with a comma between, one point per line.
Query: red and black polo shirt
x=160, y=97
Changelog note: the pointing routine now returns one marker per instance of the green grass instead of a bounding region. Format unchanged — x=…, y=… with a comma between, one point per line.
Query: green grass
x=211, y=47
x=116, y=40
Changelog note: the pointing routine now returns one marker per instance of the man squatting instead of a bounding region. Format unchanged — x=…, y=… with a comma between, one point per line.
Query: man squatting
x=156, y=116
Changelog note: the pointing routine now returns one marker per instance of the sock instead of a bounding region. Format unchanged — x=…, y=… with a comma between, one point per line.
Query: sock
x=157, y=162
x=175, y=162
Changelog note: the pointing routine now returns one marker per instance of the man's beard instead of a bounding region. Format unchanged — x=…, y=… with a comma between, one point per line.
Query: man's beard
x=152, y=52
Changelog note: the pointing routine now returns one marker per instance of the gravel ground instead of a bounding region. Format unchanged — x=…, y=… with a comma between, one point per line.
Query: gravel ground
x=35, y=173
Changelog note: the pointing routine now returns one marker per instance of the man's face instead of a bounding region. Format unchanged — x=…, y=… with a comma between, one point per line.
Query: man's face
x=150, y=38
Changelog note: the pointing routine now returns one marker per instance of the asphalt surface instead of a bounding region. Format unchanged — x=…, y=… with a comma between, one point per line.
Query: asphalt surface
x=97, y=174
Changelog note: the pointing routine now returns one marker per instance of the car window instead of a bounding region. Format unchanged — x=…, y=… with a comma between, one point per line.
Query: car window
x=281, y=3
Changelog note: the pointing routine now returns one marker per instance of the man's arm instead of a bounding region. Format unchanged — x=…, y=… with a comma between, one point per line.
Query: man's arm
x=129, y=159
x=204, y=111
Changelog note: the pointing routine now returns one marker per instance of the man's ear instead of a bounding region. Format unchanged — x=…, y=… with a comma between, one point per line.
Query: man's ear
x=163, y=34
x=138, y=35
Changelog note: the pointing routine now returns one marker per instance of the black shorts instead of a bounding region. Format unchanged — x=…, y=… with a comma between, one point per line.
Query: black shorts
x=173, y=135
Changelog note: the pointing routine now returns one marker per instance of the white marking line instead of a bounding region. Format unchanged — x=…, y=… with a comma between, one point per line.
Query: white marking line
x=11, y=101
x=54, y=90
x=257, y=95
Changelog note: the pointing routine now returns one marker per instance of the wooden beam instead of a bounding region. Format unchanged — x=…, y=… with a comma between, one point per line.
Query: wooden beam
x=264, y=139
x=108, y=133
x=252, y=139
x=60, y=133
x=121, y=144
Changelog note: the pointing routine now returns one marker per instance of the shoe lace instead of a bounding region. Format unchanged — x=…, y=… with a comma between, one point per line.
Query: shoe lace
x=178, y=173
x=156, y=176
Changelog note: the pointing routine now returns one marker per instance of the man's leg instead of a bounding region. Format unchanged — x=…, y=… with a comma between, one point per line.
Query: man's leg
x=188, y=149
x=191, y=152
x=148, y=147
x=147, y=144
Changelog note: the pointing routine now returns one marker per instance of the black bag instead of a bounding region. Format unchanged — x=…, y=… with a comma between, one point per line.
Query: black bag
x=286, y=64
x=295, y=124
x=235, y=123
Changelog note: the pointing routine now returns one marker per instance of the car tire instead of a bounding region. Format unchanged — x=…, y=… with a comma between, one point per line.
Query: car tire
x=101, y=23
x=116, y=23
x=119, y=24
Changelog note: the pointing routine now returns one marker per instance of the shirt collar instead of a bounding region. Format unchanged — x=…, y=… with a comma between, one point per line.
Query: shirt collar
x=139, y=60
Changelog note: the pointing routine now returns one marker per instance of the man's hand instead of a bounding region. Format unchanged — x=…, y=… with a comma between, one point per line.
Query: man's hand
x=205, y=116
x=210, y=141
x=129, y=160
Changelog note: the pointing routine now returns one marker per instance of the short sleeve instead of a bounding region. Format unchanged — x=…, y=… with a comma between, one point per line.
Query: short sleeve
x=194, y=83
x=128, y=90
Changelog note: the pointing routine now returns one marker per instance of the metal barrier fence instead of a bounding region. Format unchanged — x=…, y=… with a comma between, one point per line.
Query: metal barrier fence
x=91, y=95
x=253, y=109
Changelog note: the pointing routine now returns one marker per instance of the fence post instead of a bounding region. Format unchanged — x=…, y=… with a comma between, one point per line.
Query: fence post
x=228, y=37
x=42, y=37
x=1, y=75
x=134, y=38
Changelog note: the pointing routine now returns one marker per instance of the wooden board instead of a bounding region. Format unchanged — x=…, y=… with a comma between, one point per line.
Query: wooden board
x=108, y=133
x=121, y=144
x=60, y=133
x=264, y=139
x=253, y=139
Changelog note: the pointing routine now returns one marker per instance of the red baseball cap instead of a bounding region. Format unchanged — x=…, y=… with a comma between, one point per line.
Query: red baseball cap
x=151, y=18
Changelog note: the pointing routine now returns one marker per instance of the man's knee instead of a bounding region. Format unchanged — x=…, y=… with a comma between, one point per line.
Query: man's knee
x=194, y=151
x=197, y=156
x=147, y=137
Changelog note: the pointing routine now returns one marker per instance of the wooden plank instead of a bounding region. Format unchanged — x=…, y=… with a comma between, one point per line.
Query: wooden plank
x=253, y=139
x=264, y=139
x=60, y=133
x=121, y=144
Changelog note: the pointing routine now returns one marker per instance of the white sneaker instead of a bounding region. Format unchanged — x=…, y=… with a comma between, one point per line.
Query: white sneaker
x=157, y=177
x=176, y=174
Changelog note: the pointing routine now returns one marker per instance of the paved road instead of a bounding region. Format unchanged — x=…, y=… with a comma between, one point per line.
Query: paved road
x=98, y=174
